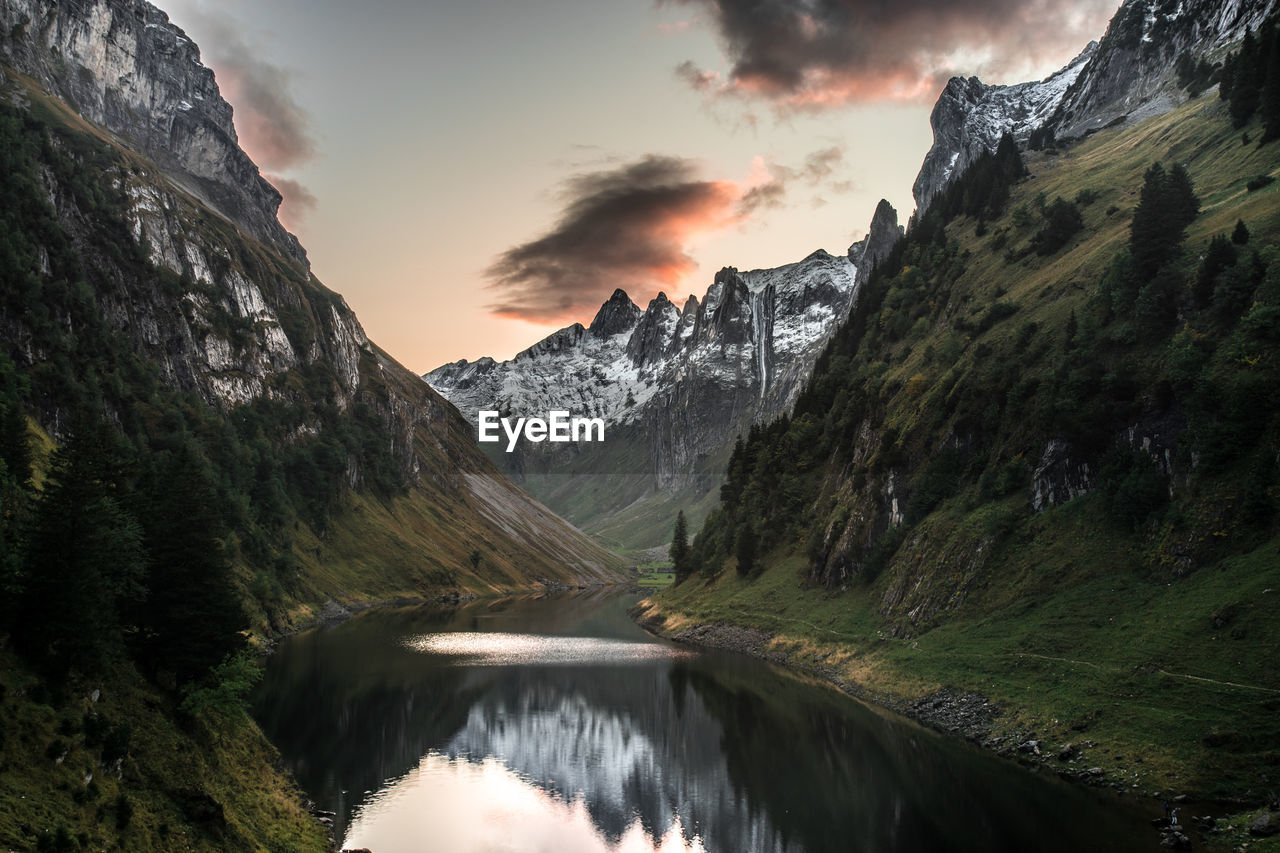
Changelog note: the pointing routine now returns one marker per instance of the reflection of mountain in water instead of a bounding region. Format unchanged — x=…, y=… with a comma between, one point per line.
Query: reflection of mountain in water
x=625, y=743
x=745, y=758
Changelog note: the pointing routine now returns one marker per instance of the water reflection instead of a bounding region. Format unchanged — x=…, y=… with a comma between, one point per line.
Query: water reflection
x=489, y=807
x=558, y=725
x=503, y=649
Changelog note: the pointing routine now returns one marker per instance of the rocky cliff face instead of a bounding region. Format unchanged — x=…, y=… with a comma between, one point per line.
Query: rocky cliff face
x=971, y=116
x=122, y=65
x=1127, y=76
x=883, y=233
x=1131, y=73
x=177, y=253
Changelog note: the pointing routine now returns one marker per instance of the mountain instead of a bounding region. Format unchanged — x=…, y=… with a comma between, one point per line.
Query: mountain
x=122, y=65
x=1131, y=74
x=675, y=386
x=970, y=116
x=1134, y=72
x=1036, y=474
x=745, y=339
x=216, y=295
x=200, y=449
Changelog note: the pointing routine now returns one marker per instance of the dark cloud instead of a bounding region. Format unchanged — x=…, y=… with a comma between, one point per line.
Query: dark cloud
x=813, y=54
x=625, y=227
x=272, y=126
x=697, y=78
x=771, y=193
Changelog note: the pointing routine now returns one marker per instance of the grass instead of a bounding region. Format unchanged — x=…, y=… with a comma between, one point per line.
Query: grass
x=1173, y=699
x=209, y=785
x=656, y=579
x=1080, y=630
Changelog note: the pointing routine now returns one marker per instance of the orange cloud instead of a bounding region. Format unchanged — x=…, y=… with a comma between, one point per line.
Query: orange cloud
x=811, y=55
x=628, y=227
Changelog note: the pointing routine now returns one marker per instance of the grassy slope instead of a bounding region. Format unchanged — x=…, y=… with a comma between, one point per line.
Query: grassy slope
x=416, y=544
x=1066, y=624
x=169, y=770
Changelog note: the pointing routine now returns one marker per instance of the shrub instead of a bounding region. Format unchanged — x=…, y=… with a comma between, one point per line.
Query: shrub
x=997, y=313
x=1062, y=221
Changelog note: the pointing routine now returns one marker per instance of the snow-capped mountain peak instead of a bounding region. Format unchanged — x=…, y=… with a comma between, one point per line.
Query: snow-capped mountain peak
x=970, y=117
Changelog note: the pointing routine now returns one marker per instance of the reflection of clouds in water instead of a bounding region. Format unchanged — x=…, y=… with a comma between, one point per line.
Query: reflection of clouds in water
x=455, y=805
x=500, y=649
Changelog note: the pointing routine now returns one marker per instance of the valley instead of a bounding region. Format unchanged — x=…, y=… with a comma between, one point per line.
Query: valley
x=1010, y=469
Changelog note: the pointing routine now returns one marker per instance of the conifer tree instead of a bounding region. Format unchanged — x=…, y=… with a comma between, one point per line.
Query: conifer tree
x=15, y=449
x=1269, y=97
x=745, y=548
x=1220, y=255
x=1184, y=207
x=1149, y=237
x=1245, y=81
x=84, y=560
x=191, y=618
x=680, y=548
x=1240, y=236
x=1166, y=206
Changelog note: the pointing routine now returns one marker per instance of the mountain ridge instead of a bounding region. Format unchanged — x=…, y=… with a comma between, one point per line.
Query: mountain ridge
x=1125, y=76
x=125, y=66
x=1033, y=475
x=675, y=385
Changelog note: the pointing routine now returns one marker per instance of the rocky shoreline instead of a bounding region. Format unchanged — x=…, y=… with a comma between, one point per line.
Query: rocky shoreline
x=974, y=718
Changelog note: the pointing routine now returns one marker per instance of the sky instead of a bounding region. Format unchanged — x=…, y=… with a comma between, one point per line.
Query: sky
x=472, y=175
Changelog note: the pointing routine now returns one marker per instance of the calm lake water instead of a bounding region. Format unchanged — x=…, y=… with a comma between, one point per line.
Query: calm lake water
x=555, y=724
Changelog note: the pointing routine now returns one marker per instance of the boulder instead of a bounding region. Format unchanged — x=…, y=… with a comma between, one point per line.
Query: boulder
x=1265, y=824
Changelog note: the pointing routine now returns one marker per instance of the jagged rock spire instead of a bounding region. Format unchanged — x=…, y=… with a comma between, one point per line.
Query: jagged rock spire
x=618, y=314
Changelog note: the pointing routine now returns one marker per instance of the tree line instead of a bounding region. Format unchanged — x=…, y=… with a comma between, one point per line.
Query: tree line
x=121, y=545
x=1199, y=327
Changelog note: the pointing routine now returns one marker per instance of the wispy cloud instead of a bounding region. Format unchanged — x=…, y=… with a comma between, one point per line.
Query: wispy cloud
x=272, y=127
x=818, y=54
x=298, y=202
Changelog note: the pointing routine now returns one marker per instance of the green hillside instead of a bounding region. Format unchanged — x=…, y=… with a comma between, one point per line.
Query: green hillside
x=155, y=534
x=1039, y=463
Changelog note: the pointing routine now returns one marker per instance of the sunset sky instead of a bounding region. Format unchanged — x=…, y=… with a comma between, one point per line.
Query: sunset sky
x=474, y=175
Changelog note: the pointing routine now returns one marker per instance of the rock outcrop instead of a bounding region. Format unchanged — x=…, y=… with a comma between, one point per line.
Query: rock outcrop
x=881, y=237
x=1126, y=76
x=124, y=66
x=1130, y=76
x=970, y=117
